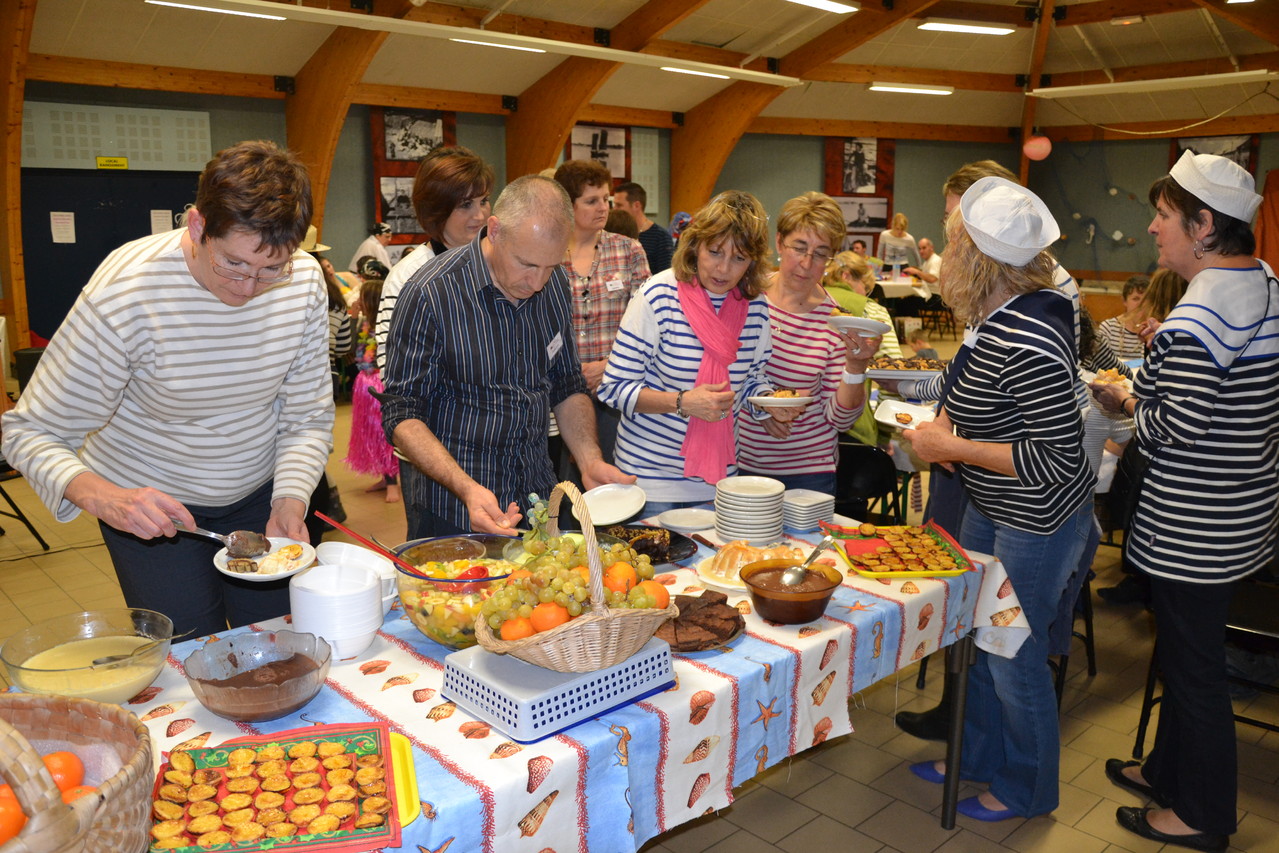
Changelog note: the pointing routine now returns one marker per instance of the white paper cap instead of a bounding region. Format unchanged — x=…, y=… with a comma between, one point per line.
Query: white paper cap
x=1007, y=221
x=1218, y=182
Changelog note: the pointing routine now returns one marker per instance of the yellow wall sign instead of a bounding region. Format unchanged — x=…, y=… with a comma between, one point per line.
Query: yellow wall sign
x=112, y=162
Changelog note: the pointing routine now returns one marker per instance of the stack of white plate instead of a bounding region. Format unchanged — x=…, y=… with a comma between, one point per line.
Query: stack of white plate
x=749, y=508
x=803, y=508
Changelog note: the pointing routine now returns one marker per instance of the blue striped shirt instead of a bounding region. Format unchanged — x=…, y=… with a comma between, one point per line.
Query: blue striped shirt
x=482, y=373
x=656, y=348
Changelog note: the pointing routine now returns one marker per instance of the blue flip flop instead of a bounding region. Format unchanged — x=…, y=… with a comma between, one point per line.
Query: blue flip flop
x=926, y=771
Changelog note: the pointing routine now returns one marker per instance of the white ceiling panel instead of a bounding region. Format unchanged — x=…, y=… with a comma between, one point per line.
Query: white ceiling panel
x=443, y=64
x=855, y=102
x=655, y=89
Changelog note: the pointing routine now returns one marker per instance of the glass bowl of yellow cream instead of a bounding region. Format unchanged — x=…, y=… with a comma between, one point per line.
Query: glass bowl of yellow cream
x=58, y=655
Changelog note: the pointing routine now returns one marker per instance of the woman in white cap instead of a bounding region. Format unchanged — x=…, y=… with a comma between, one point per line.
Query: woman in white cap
x=1009, y=422
x=1208, y=423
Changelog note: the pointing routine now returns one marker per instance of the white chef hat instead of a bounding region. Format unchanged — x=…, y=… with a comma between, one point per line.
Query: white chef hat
x=1218, y=182
x=1007, y=221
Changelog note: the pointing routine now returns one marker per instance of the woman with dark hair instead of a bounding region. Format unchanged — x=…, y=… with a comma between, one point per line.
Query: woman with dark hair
x=693, y=345
x=1208, y=425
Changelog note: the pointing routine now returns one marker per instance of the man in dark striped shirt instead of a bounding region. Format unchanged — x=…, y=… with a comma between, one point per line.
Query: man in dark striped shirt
x=481, y=350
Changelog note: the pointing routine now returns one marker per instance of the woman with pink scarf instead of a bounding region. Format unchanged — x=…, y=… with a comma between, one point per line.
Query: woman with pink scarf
x=692, y=347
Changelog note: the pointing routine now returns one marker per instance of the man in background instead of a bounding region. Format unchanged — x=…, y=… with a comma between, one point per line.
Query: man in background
x=655, y=239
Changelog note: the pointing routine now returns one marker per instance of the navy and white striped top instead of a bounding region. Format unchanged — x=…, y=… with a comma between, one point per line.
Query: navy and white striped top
x=482, y=373
x=656, y=348
x=1208, y=417
x=1018, y=386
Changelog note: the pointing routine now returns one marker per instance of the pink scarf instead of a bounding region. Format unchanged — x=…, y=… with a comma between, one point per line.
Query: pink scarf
x=709, y=447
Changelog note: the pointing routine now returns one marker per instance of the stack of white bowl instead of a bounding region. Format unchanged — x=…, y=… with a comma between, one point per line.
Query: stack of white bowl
x=803, y=508
x=342, y=604
x=749, y=508
x=348, y=554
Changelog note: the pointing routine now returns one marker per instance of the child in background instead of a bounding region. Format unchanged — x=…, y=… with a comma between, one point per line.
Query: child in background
x=923, y=349
x=1121, y=332
x=368, y=451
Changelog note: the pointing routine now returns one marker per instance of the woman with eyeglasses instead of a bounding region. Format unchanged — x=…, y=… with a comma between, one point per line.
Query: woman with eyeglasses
x=809, y=356
x=692, y=347
x=189, y=387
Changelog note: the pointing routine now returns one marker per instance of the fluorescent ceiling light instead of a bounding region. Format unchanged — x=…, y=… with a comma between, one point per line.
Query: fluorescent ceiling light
x=423, y=29
x=1127, y=20
x=503, y=46
x=691, y=71
x=912, y=88
x=1161, y=84
x=949, y=25
x=1229, y=2
x=829, y=6
x=211, y=9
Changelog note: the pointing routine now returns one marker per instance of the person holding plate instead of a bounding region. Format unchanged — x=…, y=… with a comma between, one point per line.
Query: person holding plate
x=693, y=346
x=810, y=356
x=1010, y=423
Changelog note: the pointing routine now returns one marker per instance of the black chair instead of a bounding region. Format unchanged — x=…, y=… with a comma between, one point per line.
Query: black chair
x=1253, y=620
x=937, y=317
x=866, y=475
x=8, y=473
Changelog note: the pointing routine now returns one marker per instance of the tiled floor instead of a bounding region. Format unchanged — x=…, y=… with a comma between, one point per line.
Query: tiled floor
x=850, y=795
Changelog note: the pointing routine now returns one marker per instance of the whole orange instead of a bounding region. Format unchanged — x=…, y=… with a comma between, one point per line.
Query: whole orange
x=517, y=628
x=66, y=768
x=620, y=577
x=661, y=598
x=548, y=615
x=11, y=818
x=77, y=792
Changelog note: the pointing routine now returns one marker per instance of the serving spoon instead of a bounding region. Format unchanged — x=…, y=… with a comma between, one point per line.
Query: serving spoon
x=239, y=543
x=795, y=574
x=145, y=647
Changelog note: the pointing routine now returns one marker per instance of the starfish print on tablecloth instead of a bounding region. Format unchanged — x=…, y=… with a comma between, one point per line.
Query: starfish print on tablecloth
x=959, y=629
x=856, y=607
x=766, y=713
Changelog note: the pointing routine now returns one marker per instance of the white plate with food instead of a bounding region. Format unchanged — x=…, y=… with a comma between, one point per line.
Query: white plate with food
x=286, y=558
x=864, y=326
x=895, y=413
x=689, y=520
x=720, y=582
x=1106, y=377
x=614, y=503
x=772, y=401
x=882, y=373
x=721, y=570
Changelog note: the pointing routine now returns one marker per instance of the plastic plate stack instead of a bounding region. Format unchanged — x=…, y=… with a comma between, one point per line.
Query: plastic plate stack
x=803, y=508
x=749, y=508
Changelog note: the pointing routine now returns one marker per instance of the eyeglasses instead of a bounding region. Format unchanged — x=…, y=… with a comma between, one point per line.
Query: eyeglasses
x=262, y=278
x=820, y=255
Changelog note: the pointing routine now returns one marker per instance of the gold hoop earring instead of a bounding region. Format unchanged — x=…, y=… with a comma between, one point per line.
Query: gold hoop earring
x=1198, y=249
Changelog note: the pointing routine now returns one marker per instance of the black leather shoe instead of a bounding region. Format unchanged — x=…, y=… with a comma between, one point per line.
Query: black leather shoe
x=1134, y=820
x=1115, y=773
x=1130, y=590
x=926, y=725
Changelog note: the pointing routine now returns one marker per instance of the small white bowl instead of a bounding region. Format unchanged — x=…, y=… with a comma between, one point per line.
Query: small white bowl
x=347, y=554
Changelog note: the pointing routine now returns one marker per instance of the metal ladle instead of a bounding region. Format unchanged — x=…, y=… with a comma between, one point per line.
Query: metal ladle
x=107, y=660
x=795, y=574
x=235, y=542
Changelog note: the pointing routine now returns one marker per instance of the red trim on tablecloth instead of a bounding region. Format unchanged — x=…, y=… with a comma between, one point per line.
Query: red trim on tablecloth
x=663, y=751
x=583, y=762
x=732, y=753
x=794, y=690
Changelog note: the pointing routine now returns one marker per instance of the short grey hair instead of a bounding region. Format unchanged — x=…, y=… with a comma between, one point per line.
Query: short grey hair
x=535, y=199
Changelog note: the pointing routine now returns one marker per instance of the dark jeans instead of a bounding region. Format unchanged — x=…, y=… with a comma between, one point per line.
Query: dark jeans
x=1193, y=762
x=607, y=420
x=422, y=522
x=176, y=576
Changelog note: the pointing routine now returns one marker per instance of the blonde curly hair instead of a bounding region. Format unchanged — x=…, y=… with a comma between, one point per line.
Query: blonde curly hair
x=971, y=279
x=736, y=216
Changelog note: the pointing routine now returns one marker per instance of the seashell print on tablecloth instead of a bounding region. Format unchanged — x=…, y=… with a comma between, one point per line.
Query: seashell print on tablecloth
x=699, y=787
x=532, y=822
x=823, y=687
x=877, y=631
x=539, y=767
x=828, y=654
x=194, y=743
x=666, y=579
x=177, y=727
x=1004, y=618
x=505, y=749
x=422, y=694
x=700, y=705
x=743, y=607
x=474, y=730
x=909, y=588
x=442, y=711
x=1005, y=588
x=373, y=667
x=161, y=710
x=428, y=810
x=146, y=695
x=920, y=651
x=821, y=731
x=809, y=631
x=399, y=680
x=703, y=749
x=925, y=614
x=761, y=759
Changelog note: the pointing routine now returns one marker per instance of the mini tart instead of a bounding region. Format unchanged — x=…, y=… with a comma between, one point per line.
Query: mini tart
x=339, y=793
x=201, y=792
x=302, y=815
x=250, y=831
x=308, y=796
x=268, y=753
x=178, y=777
x=202, y=808
x=283, y=829
x=239, y=771
x=240, y=756
x=203, y=824
x=279, y=782
x=173, y=793
x=267, y=817
x=306, y=780
x=368, y=820
x=372, y=759
x=243, y=785
x=217, y=838
x=168, y=829
x=182, y=761
x=239, y=817
x=169, y=843
x=305, y=764
x=305, y=749
x=165, y=810
x=367, y=775
x=272, y=767
x=324, y=823
x=341, y=776
x=336, y=762
x=328, y=749
x=235, y=802
x=343, y=809
x=373, y=789
x=206, y=776
x=268, y=800
x=376, y=805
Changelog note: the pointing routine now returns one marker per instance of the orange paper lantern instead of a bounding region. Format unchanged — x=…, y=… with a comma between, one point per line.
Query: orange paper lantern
x=1037, y=147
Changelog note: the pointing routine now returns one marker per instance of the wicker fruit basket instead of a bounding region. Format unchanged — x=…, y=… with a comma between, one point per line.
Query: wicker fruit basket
x=597, y=639
x=117, y=818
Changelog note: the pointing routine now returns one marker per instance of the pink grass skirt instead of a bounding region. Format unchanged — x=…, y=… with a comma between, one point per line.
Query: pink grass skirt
x=369, y=452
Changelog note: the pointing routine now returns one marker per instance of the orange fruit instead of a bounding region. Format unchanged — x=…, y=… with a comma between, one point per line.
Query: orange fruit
x=11, y=818
x=584, y=572
x=517, y=628
x=66, y=768
x=519, y=575
x=548, y=615
x=661, y=598
x=77, y=792
x=7, y=791
x=620, y=577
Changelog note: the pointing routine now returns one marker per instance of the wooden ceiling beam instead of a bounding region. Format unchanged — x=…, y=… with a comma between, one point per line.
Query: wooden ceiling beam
x=1101, y=11
x=412, y=98
x=626, y=116
x=16, y=18
x=156, y=78
x=978, y=81
x=852, y=32
x=988, y=13
x=1259, y=19
x=1161, y=71
x=1225, y=126
x=884, y=129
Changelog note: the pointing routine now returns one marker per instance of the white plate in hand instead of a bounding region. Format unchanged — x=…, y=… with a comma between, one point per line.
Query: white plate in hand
x=277, y=542
x=614, y=503
x=864, y=326
x=895, y=413
x=767, y=401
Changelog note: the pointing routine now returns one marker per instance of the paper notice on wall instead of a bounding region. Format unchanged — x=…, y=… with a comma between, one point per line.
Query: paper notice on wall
x=62, y=226
x=644, y=165
x=161, y=221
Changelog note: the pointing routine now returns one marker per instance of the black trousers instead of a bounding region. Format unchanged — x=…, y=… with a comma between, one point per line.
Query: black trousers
x=1193, y=762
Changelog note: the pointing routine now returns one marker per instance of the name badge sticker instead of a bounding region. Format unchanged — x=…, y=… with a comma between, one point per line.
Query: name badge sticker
x=554, y=347
x=614, y=284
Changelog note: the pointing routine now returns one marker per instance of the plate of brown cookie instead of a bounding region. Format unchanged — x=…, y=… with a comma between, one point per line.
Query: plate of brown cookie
x=705, y=622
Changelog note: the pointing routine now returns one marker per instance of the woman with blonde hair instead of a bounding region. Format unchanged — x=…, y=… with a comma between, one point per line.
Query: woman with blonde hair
x=693, y=346
x=897, y=247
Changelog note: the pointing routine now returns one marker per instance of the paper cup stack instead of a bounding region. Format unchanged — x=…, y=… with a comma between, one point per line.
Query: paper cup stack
x=803, y=508
x=342, y=604
x=749, y=508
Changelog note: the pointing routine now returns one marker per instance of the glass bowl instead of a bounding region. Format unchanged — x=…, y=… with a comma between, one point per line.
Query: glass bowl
x=56, y=656
x=442, y=608
x=258, y=676
x=778, y=604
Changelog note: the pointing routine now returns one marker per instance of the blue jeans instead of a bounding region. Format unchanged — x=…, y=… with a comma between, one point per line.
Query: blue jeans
x=1011, y=735
x=823, y=482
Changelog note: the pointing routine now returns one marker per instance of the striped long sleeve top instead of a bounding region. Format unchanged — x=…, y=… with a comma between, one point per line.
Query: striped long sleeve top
x=808, y=357
x=399, y=275
x=1018, y=386
x=152, y=381
x=1208, y=418
x=656, y=348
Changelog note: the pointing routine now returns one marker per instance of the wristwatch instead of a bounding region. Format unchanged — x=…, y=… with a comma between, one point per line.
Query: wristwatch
x=679, y=405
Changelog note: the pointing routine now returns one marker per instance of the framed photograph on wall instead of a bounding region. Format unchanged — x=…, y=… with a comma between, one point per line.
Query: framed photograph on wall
x=861, y=165
x=401, y=138
x=1241, y=149
x=864, y=213
x=609, y=145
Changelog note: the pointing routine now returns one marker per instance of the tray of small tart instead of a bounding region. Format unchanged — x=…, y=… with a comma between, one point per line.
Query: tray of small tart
x=904, y=368
x=323, y=788
x=901, y=551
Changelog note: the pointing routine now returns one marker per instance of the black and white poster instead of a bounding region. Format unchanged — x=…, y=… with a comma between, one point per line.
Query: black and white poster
x=859, y=164
x=412, y=134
